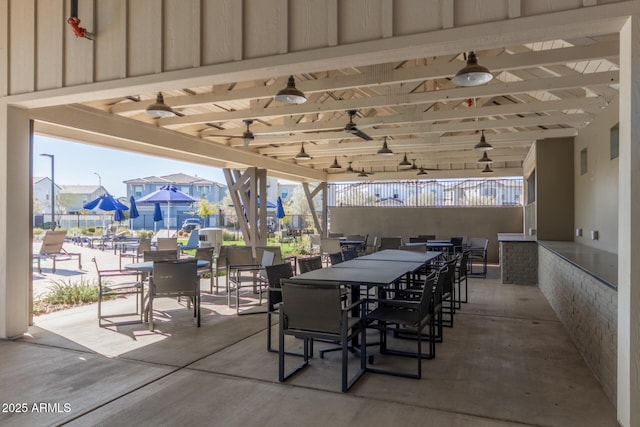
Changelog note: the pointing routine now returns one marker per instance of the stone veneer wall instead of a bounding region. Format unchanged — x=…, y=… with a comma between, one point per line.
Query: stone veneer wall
x=519, y=262
x=589, y=311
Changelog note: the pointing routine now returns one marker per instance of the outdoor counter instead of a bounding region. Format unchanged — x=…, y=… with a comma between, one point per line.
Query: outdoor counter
x=518, y=259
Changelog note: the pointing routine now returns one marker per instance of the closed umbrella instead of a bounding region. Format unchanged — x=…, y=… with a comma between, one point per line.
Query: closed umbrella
x=167, y=194
x=133, y=211
x=280, y=211
x=157, y=215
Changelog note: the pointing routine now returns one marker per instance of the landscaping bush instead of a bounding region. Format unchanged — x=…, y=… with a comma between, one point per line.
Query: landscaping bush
x=66, y=293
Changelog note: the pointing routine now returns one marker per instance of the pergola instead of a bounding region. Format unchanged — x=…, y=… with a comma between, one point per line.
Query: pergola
x=383, y=66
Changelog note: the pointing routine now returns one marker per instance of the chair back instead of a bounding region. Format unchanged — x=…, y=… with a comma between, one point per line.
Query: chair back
x=52, y=242
x=275, y=273
x=175, y=277
x=478, y=243
x=447, y=286
x=418, y=239
x=335, y=258
x=309, y=264
x=350, y=253
x=329, y=246
x=144, y=245
x=335, y=235
x=194, y=238
x=427, y=236
x=415, y=247
x=277, y=253
x=165, y=255
x=239, y=255
x=314, y=240
x=457, y=243
x=462, y=265
x=167, y=243
x=268, y=258
x=356, y=237
x=390, y=243
x=312, y=306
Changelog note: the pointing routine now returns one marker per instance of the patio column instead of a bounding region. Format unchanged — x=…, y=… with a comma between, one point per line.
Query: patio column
x=628, y=392
x=15, y=221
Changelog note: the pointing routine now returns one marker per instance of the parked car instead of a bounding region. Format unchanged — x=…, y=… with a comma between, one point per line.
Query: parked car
x=191, y=224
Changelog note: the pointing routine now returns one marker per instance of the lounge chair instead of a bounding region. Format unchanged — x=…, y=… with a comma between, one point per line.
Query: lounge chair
x=192, y=243
x=52, y=249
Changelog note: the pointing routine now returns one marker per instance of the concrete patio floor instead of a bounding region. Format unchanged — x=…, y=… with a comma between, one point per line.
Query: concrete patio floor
x=507, y=361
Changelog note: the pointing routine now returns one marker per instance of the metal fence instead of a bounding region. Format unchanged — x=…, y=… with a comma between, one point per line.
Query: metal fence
x=430, y=193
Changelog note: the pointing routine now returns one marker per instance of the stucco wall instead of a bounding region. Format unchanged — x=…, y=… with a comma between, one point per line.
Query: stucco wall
x=443, y=222
x=596, y=192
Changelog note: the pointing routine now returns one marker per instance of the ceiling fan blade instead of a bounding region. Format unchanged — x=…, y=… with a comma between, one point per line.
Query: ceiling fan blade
x=362, y=135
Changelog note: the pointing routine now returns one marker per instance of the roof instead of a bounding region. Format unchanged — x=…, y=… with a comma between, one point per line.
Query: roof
x=176, y=178
x=78, y=189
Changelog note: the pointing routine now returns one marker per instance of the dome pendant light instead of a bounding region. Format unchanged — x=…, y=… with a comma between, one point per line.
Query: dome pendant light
x=472, y=74
x=159, y=108
x=484, y=160
x=385, y=150
x=335, y=164
x=363, y=174
x=487, y=169
x=405, y=162
x=290, y=94
x=302, y=155
x=483, y=145
x=422, y=171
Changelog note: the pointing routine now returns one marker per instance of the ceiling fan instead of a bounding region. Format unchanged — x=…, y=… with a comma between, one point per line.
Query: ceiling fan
x=248, y=136
x=353, y=129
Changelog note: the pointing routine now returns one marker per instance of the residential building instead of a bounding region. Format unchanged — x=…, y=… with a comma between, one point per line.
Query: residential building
x=194, y=186
x=42, y=195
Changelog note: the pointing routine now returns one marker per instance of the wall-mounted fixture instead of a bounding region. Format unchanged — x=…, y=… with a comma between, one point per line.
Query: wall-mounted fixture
x=595, y=235
x=578, y=232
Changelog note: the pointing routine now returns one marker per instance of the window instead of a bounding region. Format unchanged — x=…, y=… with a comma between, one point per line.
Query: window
x=137, y=191
x=614, y=142
x=284, y=193
x=583, y=161
x=531, y=188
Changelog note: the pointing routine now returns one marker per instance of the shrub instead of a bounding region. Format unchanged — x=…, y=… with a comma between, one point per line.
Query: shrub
x=38, y=232
x=68, y=292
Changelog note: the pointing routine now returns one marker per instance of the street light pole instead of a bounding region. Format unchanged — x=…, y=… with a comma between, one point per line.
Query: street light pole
x=99, y=179
x=53, y=193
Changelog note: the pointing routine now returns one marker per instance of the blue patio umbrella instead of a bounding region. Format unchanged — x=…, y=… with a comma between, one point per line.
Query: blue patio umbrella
x=157, y=215
x=106, y=202
x=133, y=213
x=118, y=215
x=280, y=209
x=167, y=194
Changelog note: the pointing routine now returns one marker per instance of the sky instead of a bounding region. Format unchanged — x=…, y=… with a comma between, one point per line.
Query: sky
x=78, y=164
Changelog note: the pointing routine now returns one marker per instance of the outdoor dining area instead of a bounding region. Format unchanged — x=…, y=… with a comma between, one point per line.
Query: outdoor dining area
x=377, y=326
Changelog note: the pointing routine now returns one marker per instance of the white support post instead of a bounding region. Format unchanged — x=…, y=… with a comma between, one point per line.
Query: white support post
x=628, y=384
x=16, y=294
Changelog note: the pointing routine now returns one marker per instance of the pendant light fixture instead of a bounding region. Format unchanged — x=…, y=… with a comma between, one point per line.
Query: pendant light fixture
x=472, y=74
x=385, y=150
x=487, y=169
x=405, y=162
x=422, y=171
x=302, y=155
x=484, y=160
x=291, y=94
x=335, y=164
x=362, y=174
x=159, y=108
x=483, y=145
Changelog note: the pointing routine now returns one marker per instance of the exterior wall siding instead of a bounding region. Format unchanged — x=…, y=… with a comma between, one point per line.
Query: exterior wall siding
x=38, y=51
x=589, y=311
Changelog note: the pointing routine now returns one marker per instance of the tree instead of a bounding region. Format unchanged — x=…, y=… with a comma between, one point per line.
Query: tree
x=206, y=209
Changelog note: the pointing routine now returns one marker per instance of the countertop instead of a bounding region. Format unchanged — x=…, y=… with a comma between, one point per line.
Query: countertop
x=515, y=237
x=600, y=264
